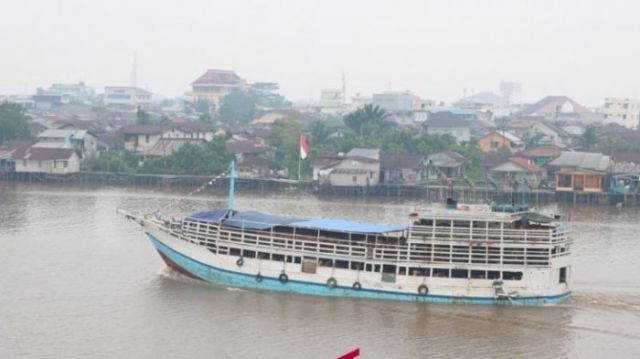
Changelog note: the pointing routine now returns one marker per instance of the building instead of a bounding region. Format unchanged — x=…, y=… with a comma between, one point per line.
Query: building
x=196, y=130
x=359, y=168
x=84, y=143
x=406, y=169
x=324, y=162
x=623, y=111
x=141, y=138
x=268, y=117
x=46, y=160
x=213, y=86
x=496, y=140
x=516, y=172
x=167, y=146
x=395, y=101
x=7, y=148
x=580, y=171
x=260, y=167
x=331, y=98
x=126, y=96
x=446, y=123
x=449, y=163
x=244, y=149
x=553, y=107
x=73, y=93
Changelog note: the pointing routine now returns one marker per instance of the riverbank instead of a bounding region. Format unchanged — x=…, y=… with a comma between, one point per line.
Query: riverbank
x=430, y=192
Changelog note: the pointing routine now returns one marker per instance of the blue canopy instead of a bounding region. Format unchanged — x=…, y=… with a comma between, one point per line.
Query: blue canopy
x=257, y=221
x=208, y=215
x=337, y=225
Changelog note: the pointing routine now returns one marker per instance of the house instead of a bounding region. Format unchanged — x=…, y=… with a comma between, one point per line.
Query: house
x=495, y=140
x=625, y=173
x=623, y=111
x=449, y=163
x=213, y=86
x=141, y=138
x=517, y=172
x=46, y=160
x=580, y=171
x=325, y=161
x=393, y=101
x=359, y=168
x=73, y=93
x=541, y=156
x=244, y=149
x=407, y=169
x=167, y=146
x=447, y=123
x=192, y=129
x=81, y=141
x=7, y=148
x=260, y=167
x=553, y=107
x=126, y=96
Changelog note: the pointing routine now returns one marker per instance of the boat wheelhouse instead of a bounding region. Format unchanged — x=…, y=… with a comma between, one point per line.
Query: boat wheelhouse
x=463, y=255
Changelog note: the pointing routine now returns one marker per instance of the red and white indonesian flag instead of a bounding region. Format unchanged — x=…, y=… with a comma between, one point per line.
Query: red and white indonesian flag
x=304, y=147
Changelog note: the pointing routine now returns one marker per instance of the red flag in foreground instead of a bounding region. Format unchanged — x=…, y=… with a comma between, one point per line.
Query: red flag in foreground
x=304, y=147
x=351, y=354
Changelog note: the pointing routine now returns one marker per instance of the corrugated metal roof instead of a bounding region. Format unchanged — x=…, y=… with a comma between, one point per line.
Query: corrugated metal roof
x=373, y=153
x=585, y=160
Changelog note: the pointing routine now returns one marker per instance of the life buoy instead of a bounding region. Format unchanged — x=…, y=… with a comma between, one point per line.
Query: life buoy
x=240, y=262
x=356, y=286
x=284, y=278
x=332, y=282
x=258, y=277
x=423, y=289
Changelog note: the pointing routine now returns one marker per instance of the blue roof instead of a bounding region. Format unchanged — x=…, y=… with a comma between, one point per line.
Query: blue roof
x=208, y=215
x=257, y=221
x=338, y=225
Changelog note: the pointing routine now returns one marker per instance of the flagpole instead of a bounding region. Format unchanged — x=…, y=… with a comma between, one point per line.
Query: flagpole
x=299, y=163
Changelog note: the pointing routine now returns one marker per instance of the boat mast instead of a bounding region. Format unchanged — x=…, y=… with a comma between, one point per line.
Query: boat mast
x=232, y=183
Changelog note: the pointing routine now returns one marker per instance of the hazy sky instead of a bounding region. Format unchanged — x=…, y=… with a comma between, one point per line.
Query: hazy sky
x=583, y=49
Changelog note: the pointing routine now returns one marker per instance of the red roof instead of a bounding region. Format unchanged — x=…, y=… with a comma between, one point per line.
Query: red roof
x=549, y=105
x=42, y=153
x=218, y=77
x=523, y=163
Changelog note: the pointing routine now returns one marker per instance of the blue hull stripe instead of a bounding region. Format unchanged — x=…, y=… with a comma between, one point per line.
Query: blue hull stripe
x=228, y=278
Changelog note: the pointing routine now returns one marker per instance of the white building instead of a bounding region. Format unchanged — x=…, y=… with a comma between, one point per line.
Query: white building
x=331, y=98
x=46, y=160
x=623, y=111
x=126, y=96
x=79, y=140
x=213, y=86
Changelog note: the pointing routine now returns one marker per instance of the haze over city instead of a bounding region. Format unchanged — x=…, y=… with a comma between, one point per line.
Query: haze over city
x=436, y=49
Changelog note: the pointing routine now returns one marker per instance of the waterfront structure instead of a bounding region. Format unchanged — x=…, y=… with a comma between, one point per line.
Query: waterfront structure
x=46, y=160
x=449, y=163
x=496, y=140
x=580, y=171
x=84, y=143
x=406, y=169
x=623, y=111
x=457, y=255
x=141, y=138
x=360, y=167
x=447, y=123
x=213, y=86
x=517, y=171
x=127, y=96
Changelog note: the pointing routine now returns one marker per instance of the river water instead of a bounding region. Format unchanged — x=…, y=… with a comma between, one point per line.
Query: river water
x=79, y=281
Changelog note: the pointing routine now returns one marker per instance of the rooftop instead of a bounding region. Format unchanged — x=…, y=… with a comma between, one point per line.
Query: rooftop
x=583, y=160
x=400, y=161
x=219, y=77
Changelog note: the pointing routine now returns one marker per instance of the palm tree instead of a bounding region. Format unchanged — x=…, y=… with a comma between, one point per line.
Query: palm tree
x=320, y=132
x=367, y=118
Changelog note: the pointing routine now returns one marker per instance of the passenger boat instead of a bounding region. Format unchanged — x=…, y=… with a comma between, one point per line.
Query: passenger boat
x=457, y=254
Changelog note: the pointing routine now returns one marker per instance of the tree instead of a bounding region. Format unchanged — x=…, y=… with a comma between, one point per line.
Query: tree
x=532, y=140
x=366, y=120
x=266, y=95
x=14, y=123
x=589, y=138
x=320, y=132
x=284, y=136
x=142, y=116
x=238, y=108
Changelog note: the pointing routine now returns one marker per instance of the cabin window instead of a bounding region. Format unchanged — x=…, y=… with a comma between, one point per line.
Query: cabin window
x=325, y=262
x=459, y=273
x=493, y=274
x=564, y=180
x=417, y=271
x=222, y=250
x=368, y=267
x=389, y=268
x=249, y=254
x=277, y=257
x=357, y=265
x=264, y=255
x=355, y=179
x=309, y=266
x=402, y=271
x=234, y=251
x=297, y=260
x=440, y=272
x=342, y=264
x=479, y=274
x=376, y=268
x=39, y=163
x=441, y=223
x=563, y=275
x=512, y=275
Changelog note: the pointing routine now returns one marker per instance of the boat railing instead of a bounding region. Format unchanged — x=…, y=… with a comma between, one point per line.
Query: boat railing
x=451, y=233
x=443, y=252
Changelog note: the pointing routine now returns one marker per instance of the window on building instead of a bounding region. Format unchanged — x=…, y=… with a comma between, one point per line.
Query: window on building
x=24, y=163
x=39, y=163
x=65, y=164
x=355, y=179
x=564, y=180
x=493, y=274
x=146, y=138
x=478, y=274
